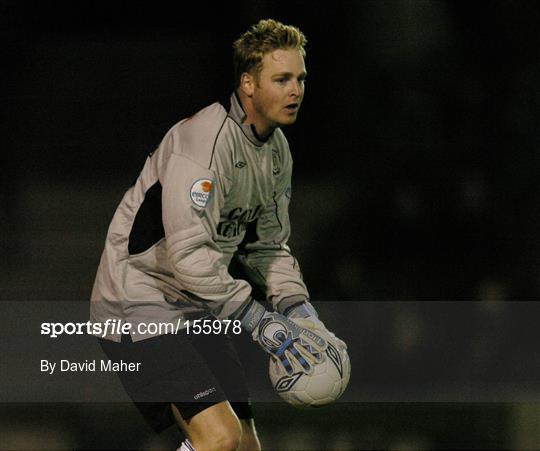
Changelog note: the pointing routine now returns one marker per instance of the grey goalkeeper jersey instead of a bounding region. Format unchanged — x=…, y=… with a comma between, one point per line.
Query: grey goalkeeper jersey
x=211, y=187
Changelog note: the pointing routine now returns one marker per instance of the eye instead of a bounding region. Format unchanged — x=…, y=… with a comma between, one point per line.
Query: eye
x=281, y=81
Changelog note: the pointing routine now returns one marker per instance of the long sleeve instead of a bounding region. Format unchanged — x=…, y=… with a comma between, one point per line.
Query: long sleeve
x=269, y=257
x=192, y=198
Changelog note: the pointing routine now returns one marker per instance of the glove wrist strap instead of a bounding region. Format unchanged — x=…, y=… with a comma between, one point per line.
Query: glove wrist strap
x=290, y=302
x=251, y=316
x=302, y=311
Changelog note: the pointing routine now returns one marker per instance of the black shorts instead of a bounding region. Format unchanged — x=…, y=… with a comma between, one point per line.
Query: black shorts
x=193, y=372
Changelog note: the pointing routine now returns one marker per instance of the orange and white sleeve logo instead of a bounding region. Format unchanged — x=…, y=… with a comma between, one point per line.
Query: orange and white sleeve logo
x=200, y=192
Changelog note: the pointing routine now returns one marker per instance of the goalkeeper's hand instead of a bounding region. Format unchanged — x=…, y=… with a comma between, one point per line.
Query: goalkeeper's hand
x=282, y=338
x=306, y=316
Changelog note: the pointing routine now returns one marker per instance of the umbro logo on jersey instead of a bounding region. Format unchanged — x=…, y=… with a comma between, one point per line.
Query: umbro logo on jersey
x=241, y=164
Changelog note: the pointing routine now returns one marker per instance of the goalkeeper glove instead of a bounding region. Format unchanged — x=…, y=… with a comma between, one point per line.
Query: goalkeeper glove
x=282, y=338
x=306, y=316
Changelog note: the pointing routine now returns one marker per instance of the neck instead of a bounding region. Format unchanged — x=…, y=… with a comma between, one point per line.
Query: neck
x=262, y=129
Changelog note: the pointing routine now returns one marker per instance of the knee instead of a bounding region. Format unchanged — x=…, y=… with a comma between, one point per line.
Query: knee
x=230, y=440
x=227, y=437
x=249, y=442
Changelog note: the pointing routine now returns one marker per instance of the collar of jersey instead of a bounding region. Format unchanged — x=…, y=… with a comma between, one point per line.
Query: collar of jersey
x=238, y=115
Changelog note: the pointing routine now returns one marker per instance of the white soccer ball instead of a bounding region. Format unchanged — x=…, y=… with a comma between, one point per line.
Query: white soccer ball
x=326, y=382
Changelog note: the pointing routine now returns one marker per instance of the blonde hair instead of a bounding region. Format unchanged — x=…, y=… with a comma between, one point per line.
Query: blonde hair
x=265, y=36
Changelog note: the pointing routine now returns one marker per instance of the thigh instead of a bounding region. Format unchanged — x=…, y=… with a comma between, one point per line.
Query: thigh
x=171, y=371
x=223, y=360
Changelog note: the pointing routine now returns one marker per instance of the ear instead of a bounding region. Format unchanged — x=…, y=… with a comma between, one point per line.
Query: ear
x=247, y=84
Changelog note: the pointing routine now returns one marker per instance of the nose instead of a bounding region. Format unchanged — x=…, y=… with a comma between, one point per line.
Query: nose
x=296, y=89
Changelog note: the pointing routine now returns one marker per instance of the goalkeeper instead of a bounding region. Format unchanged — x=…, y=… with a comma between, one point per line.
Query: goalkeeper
x=216, y=190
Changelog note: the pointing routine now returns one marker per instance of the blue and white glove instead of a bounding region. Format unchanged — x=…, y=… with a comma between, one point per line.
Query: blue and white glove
x=305, y=315
x=282, y=338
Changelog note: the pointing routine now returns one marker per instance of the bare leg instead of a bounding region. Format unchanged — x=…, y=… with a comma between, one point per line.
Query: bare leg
x=250, y=441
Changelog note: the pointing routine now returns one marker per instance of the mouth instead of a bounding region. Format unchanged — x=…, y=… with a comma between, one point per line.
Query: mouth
x=293, y=107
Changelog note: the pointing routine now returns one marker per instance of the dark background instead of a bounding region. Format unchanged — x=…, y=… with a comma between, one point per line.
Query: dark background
x=416, y=166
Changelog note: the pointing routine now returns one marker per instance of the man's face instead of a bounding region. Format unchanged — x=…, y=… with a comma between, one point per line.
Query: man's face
x=278, y=89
